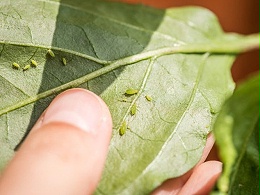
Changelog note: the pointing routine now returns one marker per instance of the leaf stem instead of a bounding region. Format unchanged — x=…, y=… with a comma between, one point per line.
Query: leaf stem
x=233, y=46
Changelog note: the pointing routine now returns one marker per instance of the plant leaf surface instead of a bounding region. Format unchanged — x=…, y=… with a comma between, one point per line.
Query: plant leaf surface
x=237, y=135
x=168, y=55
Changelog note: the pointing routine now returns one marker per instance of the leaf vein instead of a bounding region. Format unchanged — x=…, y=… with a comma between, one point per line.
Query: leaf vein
x=193, y=93
x=88, y=57
x=145, y=139
x=249, y=42
x=91, y=44
x=23, y=92
x=146, y=75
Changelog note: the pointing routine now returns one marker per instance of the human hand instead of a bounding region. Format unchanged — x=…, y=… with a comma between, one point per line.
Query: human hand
x=66, y=149
x=198, y=181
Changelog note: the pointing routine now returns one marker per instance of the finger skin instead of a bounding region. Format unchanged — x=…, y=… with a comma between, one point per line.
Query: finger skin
x=203, y=178
x=173, y=186
x=66, y=150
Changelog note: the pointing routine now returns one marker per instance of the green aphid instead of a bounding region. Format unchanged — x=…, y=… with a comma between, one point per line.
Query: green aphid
x=123, y=128
x=131, y=91
x=64, y=61
x=50, y=52
x=133, y=109
x=34, y=63
x=26, y=67
x=123, y=100
x=148, y=98
x=16, y=66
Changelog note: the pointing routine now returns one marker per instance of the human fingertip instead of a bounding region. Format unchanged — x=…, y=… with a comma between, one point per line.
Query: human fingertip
x=203, y=178
x=66, y=150
x=80, y=108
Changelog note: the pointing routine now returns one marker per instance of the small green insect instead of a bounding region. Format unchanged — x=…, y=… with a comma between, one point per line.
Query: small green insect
x=123, y=128
x=16, y=66
x=26, y=67
x=64, y=61
x=131, y=91
x=148, y=98
x=50, y=52
x=34, y=63
x=133, y=109
x=123, y=100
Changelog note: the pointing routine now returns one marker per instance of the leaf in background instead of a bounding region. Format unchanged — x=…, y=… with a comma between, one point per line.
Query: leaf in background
x=167, y=56
x=237, y=136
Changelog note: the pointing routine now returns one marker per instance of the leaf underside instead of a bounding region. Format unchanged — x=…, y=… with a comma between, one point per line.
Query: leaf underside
x=237, y=135
x=166, y=136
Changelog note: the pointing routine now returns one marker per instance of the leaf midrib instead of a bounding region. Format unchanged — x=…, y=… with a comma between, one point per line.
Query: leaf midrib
x=241, y=45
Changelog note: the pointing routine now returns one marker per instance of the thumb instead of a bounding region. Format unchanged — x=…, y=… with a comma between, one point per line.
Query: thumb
x=66, y=149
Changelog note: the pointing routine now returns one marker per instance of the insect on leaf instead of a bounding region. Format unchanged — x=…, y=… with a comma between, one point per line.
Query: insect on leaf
x=148, y=98
x=123, y=128
x=133, y=109
x=16, y=65
x=131, y=91
x=34, y=63
x=50, y=52
x=26, y=67
x=113, y=47
x=64, y=61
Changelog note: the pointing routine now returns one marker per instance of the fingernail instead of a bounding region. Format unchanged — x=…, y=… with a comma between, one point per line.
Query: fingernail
x=77, y=107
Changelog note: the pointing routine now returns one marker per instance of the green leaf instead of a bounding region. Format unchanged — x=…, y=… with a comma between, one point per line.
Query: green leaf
x=237, y=136
x=180, y=57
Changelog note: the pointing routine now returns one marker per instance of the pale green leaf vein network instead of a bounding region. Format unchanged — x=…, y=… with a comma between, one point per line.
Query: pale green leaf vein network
x=143, y=84
x=192, y=96
x=243, y=149
x=234, y=46
x=90, y=42
x=88, y=57
x=11, y=83
x=145, y=79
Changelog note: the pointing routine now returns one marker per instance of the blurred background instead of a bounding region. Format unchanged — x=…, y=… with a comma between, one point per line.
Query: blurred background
x=239, y=16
